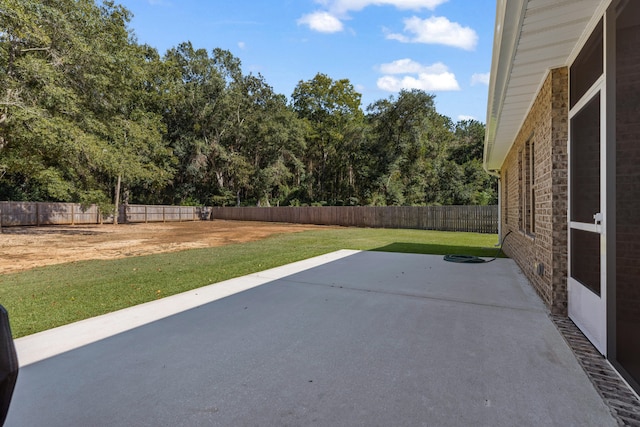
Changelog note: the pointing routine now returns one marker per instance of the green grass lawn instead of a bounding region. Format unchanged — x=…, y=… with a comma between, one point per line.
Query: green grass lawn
x=47, y=297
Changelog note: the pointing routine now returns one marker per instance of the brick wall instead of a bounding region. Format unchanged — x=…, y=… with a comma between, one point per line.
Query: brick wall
x=542, y=255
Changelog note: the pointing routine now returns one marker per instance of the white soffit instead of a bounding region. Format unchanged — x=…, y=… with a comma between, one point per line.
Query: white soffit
x=531, y=37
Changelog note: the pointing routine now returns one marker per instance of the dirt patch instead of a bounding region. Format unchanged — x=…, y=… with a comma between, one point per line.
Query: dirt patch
x=22, y=248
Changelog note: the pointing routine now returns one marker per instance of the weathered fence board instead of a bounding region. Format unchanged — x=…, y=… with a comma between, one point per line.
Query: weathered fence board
x=479, y=219
x=41, y=213
x=44, y=213
x=159, y=213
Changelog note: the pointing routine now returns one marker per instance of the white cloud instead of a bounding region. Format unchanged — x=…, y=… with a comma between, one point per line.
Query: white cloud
x=323, y=22
x=242, y=45
x=462, y=117
x=341, y=7
x=436, y=77
x=330, y=19
x=437, y=30
x=409, y=66
x=480, y=78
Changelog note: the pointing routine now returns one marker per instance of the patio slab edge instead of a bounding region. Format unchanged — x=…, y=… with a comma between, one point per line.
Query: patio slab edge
x=46, y=344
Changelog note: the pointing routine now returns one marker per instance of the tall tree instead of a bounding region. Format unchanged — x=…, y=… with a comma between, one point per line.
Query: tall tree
x=195, y=123
x=275, y=144
x=475, y=185
x=468, y=141
x=331, y=109
x=69, y=93
x=407, y=142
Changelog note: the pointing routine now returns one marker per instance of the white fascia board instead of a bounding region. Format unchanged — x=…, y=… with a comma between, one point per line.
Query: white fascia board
x=531, y=37
x=508, y=26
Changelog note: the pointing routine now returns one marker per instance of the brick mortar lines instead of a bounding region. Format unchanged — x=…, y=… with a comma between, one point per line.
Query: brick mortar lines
x=622, y=402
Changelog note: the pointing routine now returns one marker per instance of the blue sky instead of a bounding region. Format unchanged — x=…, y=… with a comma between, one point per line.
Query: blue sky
x=381, y=46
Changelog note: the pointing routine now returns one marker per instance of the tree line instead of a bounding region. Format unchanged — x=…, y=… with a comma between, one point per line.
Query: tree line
x=88, y=115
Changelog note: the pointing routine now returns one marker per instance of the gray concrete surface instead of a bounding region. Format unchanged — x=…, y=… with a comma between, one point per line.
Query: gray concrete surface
x=369, y=339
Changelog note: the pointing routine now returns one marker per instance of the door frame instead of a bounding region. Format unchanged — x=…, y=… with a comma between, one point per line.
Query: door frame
x=587, y=309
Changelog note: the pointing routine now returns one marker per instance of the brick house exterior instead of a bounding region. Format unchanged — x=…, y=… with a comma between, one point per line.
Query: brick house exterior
x=541, y=253
x=563, y=137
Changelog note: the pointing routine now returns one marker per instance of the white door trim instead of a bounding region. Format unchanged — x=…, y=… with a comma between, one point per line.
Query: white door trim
x=587, y=309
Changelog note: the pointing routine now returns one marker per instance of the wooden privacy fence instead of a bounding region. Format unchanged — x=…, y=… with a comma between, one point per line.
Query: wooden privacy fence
x=44, y=213
x=39, y=213
x=478, y=219
x=155, y=213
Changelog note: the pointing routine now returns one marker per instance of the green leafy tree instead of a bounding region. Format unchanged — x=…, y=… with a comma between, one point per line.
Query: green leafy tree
x=407, y=143
x=87, y=114
x=334, y=120
x=468, y=141
x=275, y=145
x=476, y=186
x=195, y=123
x=70, y=95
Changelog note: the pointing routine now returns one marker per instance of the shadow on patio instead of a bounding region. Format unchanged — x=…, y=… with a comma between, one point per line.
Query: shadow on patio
x=437, y=249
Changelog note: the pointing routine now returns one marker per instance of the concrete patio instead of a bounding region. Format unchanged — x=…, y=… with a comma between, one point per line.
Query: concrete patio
x=349, y=338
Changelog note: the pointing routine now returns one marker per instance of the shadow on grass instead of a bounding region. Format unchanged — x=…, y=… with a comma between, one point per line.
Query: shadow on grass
x=435, y=249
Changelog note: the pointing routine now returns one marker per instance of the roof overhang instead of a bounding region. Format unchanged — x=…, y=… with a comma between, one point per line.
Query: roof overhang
x=531, y=37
